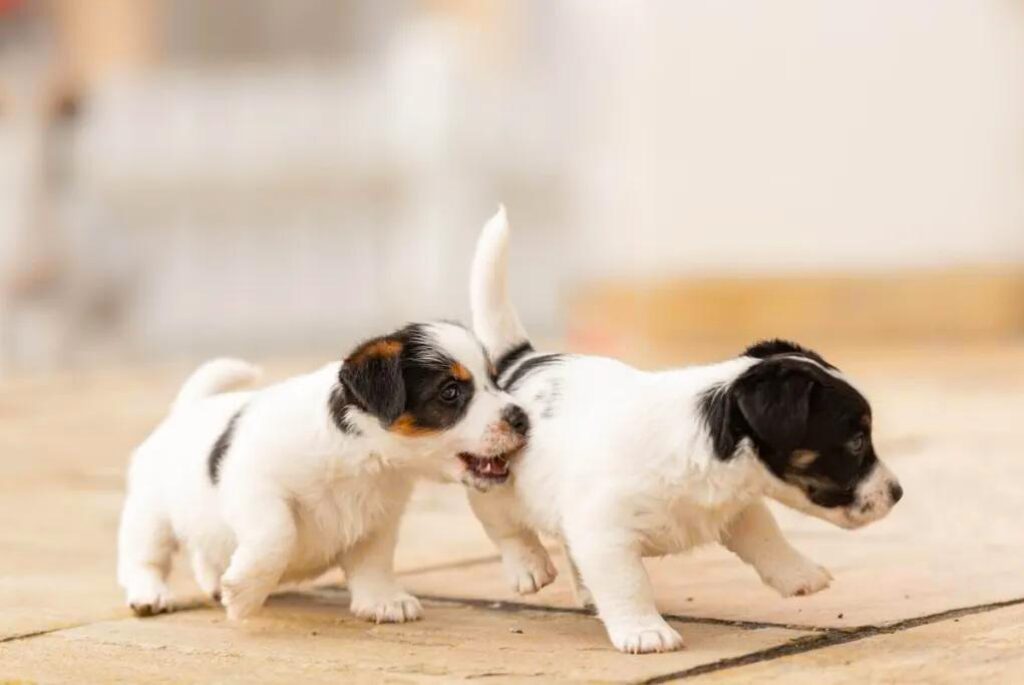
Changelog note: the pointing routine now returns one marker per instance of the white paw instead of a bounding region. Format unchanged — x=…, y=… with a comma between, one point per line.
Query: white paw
x=147, y=598
x=583, y=598
x=241, y=598
x=400, y=607
x=802, y=577
x=207, y=578
x=645, y=636
x=529, y=569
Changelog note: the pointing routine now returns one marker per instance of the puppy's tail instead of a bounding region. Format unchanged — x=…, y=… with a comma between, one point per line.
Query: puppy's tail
x=495, y=321
x=216, y=376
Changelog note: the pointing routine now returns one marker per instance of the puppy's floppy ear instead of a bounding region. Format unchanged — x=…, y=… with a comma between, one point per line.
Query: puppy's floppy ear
x=372, y=377
x=775, y=399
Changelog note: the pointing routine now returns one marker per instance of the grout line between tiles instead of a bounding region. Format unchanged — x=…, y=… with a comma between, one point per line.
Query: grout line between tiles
x=829, y=639
x=38, y=633
x=450, y=565
x=512, y=606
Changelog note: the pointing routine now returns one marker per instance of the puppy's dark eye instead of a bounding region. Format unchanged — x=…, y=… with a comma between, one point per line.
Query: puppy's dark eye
x=450, y=393
x=856, y=444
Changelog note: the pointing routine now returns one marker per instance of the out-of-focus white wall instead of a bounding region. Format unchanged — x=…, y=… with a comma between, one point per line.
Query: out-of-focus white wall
x=807, y=134
x=258, y=177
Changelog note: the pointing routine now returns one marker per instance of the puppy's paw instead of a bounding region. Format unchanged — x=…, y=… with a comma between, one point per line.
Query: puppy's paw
x=149, y=599
x=241, y=598
x=644, y=636
x=398, y=607
x=528, y=569
x=797, y=579
x=584, y=599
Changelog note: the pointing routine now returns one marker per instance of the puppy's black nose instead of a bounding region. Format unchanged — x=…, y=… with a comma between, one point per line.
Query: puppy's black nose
x=516, y=418
x=896, y=492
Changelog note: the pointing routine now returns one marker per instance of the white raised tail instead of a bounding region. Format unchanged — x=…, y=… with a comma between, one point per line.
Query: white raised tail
x=216, y=376
x=495, y=321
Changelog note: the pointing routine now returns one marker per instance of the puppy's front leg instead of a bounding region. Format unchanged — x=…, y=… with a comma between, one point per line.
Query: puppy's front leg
x=756, y=539
x=265, y=529
x=610, y=564
x=527, y=564
x=369, y=574
x=579, y=589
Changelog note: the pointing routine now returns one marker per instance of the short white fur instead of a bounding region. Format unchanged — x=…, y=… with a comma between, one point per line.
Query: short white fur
x=295, y=495
x=625, y=468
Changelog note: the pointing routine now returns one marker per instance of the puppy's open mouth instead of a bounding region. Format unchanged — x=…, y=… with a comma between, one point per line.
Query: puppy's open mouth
x=494, y=469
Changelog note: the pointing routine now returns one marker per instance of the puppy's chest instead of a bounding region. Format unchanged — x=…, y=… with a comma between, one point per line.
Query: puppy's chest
x=683, y=524
x=334, y=516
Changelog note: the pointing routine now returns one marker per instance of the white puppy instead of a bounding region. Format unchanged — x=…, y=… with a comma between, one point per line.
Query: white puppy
x=624, y=463
x=286, y=482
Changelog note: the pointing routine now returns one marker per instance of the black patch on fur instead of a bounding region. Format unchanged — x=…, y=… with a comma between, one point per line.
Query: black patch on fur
x=782, y=405
x=427, y=372
x=372, y=377
x=548, y=398
x=773, y=348
x=725, y=431
x=505, y=361
x=338, y=405
x=220, y=448
x=529, y=366
x=400, y=379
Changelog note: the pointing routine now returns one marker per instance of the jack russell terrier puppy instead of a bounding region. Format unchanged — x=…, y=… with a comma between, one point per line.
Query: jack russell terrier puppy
x=624, y=463
x=286, y=482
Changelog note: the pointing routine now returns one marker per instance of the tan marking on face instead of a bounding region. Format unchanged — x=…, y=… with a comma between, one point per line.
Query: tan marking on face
x=406, y=425
x=460, y=372
x=801, y=459
x=378, y=350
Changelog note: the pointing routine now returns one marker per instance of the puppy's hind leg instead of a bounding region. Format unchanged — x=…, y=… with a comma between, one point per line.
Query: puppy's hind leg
x=579, y=589
x=527, y=564
x=756, y=539
x=144, y=550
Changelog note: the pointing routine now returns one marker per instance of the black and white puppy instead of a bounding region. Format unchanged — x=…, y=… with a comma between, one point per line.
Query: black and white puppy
x=283, y=483
x=624, y=463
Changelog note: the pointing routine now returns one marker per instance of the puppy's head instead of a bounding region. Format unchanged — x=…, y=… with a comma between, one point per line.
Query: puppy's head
x=812, y=430
x=430, y=388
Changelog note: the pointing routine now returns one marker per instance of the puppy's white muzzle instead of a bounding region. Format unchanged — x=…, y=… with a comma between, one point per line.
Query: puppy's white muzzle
x=876, y=496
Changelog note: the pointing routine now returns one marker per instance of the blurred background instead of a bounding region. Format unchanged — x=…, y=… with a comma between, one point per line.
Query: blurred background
x=186, y=178
x=276, y=179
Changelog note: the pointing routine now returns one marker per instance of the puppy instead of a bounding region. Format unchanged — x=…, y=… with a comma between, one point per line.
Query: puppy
x=624, y=463
x=286, y=482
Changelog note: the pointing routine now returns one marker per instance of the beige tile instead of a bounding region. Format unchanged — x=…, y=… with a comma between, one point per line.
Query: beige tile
x=311, y=638
x=58, y=563
x=440, y=530
x=881, y=576
x=981, y=648
x=947, y=422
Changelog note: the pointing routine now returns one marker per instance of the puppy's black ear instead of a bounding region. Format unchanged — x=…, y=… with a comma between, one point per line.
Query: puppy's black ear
x=372, y=377
x=774, y=398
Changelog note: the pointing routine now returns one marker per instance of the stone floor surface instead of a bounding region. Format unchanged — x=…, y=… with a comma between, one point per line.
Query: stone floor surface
x=934, y=593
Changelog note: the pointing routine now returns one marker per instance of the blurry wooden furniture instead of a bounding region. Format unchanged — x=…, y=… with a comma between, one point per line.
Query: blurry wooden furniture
x=964, y=304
